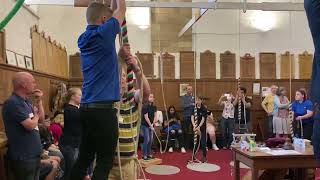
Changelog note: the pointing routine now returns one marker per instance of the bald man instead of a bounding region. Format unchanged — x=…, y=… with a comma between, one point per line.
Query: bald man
x=21, y=125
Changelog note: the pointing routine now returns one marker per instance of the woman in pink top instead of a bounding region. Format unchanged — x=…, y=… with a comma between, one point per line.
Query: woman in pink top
x=56, y=128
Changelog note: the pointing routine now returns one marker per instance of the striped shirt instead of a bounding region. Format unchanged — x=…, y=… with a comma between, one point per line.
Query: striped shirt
x=128, y=130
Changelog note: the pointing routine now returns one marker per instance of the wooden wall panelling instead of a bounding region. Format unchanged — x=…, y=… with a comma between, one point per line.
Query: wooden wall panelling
x=50, y=59
x=65, y=60
x=168, y=62
x=55, y=57
x=2, y=47
x=267, y=65
x=228, y=65
x=213, y=89
x=147, y=62
x=247, y=67
x=285, y=65
x=305, y=65
x=36, y=48
x=187, y=66
x=207, y=64
x=60, y=59
x=43, y=53
x=75, y=66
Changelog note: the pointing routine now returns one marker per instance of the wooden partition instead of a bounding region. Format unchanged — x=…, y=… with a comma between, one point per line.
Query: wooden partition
x=247, y=67
x=147, y=62
x=48, y=56
x=75, y=66
x=187, y=65
x=268, y=65
x=285, y=65
x=228, y=65
x=2, y=47
x=213, y=89
x=305, y=65
x=208, y=65
x=168, y=62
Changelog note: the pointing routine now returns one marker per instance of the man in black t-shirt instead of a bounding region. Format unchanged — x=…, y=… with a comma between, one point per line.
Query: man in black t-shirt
x=242, y=124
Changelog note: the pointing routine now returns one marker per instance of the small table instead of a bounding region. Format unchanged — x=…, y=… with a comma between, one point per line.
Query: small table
x=259, y=161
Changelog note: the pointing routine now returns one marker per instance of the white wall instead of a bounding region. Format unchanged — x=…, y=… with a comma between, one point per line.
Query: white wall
x=18, y=29
x=218, y=31
x=65, y=24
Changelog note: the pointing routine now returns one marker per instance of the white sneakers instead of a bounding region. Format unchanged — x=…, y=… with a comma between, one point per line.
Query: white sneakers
x=214, y=146
x=183, y=150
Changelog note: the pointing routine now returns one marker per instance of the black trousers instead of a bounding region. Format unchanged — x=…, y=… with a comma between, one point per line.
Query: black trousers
x=99, y=139
x=70, y=154
x=307, y=129
x=202, y=141
x=25, y=169
x=178, y=135
x=186, y=126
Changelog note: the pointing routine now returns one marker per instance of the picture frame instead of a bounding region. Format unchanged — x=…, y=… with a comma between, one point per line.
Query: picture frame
x=20, y=60
x=11, y=58
x=256, y=89
x=29, y=62
x=183, y=89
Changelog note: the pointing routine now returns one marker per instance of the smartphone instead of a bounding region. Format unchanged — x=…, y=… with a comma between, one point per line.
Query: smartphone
x=226, y=95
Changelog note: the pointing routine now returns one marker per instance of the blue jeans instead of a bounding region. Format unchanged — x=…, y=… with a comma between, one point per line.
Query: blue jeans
x=147, y=140
x=227, y=126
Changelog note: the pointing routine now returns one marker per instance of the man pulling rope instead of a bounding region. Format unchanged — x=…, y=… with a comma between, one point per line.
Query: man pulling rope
x=101, y=89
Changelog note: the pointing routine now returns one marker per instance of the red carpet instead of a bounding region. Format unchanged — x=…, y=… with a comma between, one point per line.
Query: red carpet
x=221, y=158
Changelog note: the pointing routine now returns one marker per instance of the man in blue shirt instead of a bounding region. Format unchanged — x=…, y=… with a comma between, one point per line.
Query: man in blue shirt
x=21, y=125
x=312, y=8
x=187, y=102
x=101, y=88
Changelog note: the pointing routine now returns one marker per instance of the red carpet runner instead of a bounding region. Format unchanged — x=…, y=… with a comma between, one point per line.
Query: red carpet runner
x=221, y=158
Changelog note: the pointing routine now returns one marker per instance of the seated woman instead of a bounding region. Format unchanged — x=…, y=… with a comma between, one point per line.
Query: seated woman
x=172, y=126
x=211, y=130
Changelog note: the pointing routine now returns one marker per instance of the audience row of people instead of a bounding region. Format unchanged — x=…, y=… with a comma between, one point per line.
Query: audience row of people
x=40, y=147
x=277, y=106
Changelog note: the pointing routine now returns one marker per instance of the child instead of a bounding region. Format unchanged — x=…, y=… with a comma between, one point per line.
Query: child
x=227, y=120
x=199, y=127
x=211, y=130
x=149, y=112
